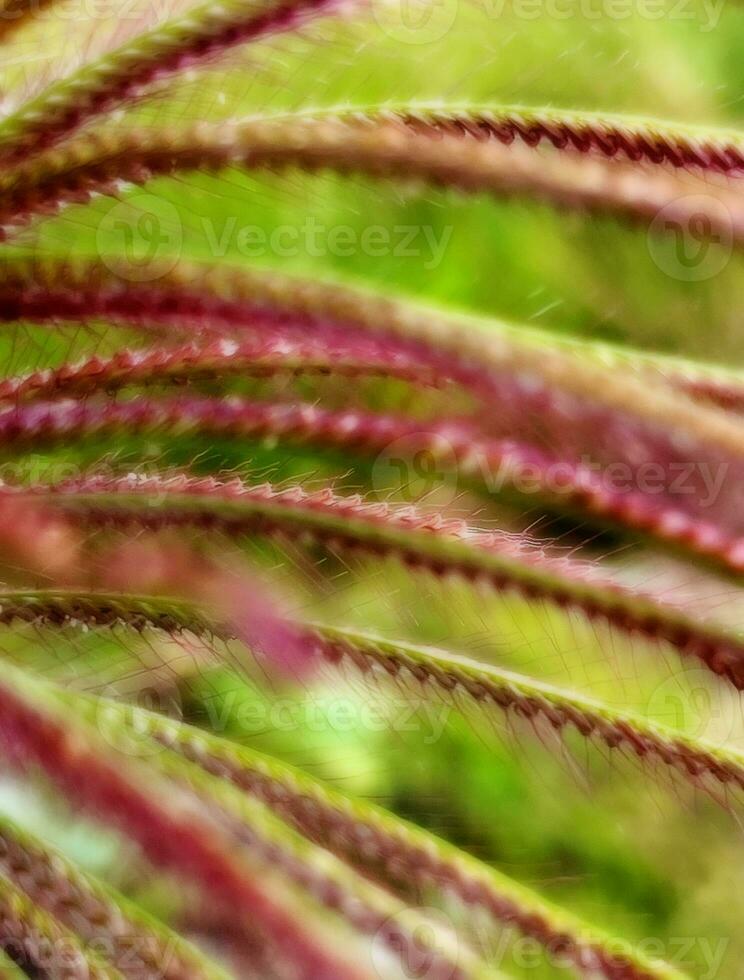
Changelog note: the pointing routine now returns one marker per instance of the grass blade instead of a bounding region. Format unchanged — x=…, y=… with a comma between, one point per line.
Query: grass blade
x=41, y=941
x=183, y=43
x=440, y=673
x=368, y=908
x=633, y=138
x=173, y=832
x=214, y=300
x=362, y=832
x=213, y=361
x=133, y=941
x=97, y=163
